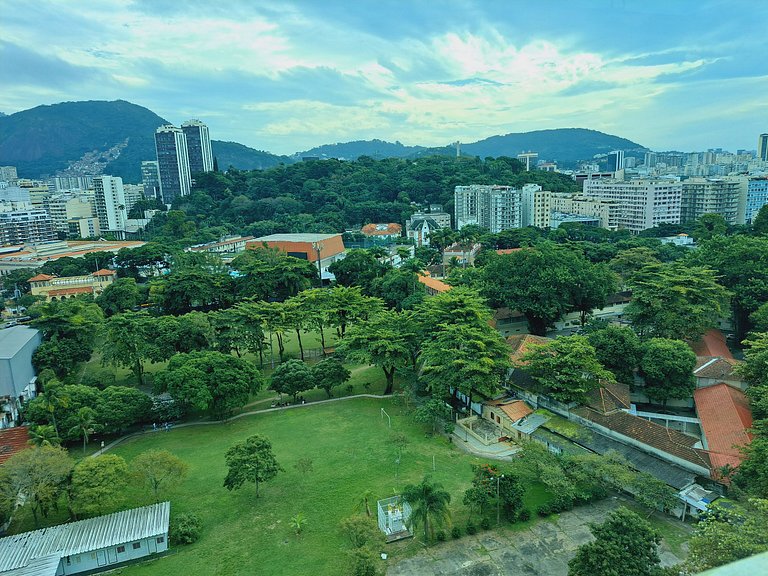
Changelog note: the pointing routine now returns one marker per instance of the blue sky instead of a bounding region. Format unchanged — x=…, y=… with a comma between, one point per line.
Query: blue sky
x=286, y=76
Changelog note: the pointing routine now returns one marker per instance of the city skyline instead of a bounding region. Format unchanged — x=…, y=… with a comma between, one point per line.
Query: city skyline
x=286, y=77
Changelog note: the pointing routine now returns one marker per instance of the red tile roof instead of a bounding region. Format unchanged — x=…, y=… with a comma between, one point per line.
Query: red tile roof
x=716, y=368
x=41, y=278
x=434, y=284
x=725, y=419
x=521, y=343
x=13, y=440
x=504, y=251
x=104, y=272
x=609, y=397
x=71, y=291
x=712, y=344
x=516, y=410
x=380, y=230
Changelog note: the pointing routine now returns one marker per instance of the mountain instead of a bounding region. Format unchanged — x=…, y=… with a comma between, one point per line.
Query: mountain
x=102, y=137
x=352, y=150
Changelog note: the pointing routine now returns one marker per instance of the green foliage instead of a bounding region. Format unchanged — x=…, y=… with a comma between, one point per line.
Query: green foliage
x=667, y=367
x=456, y=532
x=157, y=470
x=759, y=318
x=752, y=475
x=128, y=342
x=618, y=349
x=492, y=487
x=433, y=411
x=123, y=294
x=362, y=531
x=624, y=545
x=188, y=289
x=359, y=268
x=629, y=262
x=328, y=374
x=429, y=506
x=708, y=226
x=760, y=222
x=292, y=377
x=251, y=461
x=98, y=484
x=185, y=528
x=363, y=562
x=267, y=273
x=566, y=368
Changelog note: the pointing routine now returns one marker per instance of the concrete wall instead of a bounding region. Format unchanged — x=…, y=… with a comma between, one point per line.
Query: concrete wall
x=17, y=372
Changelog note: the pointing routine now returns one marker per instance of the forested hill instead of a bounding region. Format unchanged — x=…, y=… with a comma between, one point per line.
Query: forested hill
x=334, y=195
x=46, y=139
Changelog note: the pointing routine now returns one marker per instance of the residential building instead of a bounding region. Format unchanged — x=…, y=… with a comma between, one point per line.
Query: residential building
x=726, y=421
x=66, y=183
x=172, y=163
x=198, y=146
x=17, y=375
x=227, y=246
x=85, y=227
x=109, y=201
x=8, y=174
x=92, y=545
x=762, y=147
x=65, y=207
x=320, y=249
x=21, y=223
x=757, y=197
x=38, y=192
x=556, y=219
x=721, y=196
x=493, y=207
x=59, y=288
x=150, y=179
x=433, y=286
x=461, y=254
x=134, y=193
x=536, y=205
x=420, y=228
x=606, y=211
x=643, y=203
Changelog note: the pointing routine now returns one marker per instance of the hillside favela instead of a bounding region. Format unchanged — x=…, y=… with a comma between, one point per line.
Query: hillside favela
x=392, y=288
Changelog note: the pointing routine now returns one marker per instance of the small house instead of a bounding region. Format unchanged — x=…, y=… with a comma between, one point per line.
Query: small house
x=506, y=414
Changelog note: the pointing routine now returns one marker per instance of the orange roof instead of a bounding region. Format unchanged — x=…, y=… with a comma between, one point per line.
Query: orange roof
x=41, y=278
x=725, y=419
x=13, y=440
x=716, y=368
x=71, y=291
x=516, y=410
x=434, y=283
x=504, y=251
x=609, y=397
x=382, y=229
x=521, y=343
x=712, y=344
x=104, y=272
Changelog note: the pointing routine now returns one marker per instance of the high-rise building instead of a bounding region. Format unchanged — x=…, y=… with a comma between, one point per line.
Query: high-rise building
x=150, y=179
x=762, y=147
x=757, y=197
x=172, y=163
x=110, y=203
x=643, y=203
x=494, y=207
x=615, y=161
x=198, y=146
x=606, y=211
x=536, y=206
x=713, y=196
x=133, y=194
x=23, y=224
x=65, y=207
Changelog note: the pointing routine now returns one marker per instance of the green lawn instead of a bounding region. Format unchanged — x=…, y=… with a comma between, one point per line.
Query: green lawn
x=350, y=446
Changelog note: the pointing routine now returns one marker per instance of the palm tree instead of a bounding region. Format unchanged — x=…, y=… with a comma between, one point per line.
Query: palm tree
x=364, y=503
x=429, y=505
x=44, y=435
x=85, y=424
x=54, y=398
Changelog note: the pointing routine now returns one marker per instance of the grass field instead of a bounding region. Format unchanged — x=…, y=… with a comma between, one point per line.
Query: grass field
x=351, y=449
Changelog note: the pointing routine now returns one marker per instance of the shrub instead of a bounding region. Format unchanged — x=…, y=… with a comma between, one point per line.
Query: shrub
x=471, y=528
x=456, y=532
x=485, y=524
x=185, y=528
x=525, y=515
x=440, y=535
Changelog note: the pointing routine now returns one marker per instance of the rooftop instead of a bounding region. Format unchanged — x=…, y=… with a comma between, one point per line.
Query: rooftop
x=514, y=409
x=609, y=397
x=725, y=419
x=13, y=440
x=382, y=229
x=716, y=368
x=14, y=339
x=520, y=344
x=302, y=237
x=712, y=344
x=434, y=283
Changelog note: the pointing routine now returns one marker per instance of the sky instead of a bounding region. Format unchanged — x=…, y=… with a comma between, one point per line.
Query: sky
x=286, y=76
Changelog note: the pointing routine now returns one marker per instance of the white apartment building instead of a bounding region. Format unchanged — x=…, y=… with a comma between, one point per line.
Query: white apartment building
x=65, y=207
x=133, y=193
x=724, y=196
x=494, y=207
x=642, y=204
x=110, y=204
x=757, y=197
x=536, y=206
x=606, y=211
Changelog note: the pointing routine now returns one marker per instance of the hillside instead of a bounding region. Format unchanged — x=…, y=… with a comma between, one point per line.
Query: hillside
x=376, y=149
x=113, y=136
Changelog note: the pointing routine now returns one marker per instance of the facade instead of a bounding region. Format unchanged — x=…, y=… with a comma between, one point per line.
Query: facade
x=320, y=249
x=83, y=227
x=35, y=255
x=494, y=207
x=385, y=233
x=58, y=288
x=557, y=219
x=25, y=225
x=762, y=147
x=198, y=146
x=150, y=179
x=421, y=224
x=67, y=183
x=615, y=161
x=227, y=246
x=109, y=200
x=17, y=375
x=536, y=206
x=172, y=163
x=606, y=211
x=714, y=196
x=642, y=203
x=65, y=207
x=757, y=197
x=134, y=193
x=93, y=545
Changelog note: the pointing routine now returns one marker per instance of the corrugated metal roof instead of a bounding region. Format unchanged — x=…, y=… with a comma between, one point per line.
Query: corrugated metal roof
x=45, y=566
x=84, y=536
x=14, y=339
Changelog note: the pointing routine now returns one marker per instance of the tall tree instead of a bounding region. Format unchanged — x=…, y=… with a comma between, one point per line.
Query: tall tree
x=235, y=330
x=251, y=461
x=98, y=484
x=121, y=295
x=348, y=305
x=667, y=367
x=359, y=268
x=618, y=349
x=86, y=424
x=158, y=470
x=292, y=377
x=624, y=544
x=591, y=286
x=329, y=373
x=317, y=304
x=127, y=342
x=630, y=261
x=429, y=505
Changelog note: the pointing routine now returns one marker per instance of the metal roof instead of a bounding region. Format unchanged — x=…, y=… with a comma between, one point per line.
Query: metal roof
x=14, y=339
x=21, y=550
x=298, y=237
x=45, y=566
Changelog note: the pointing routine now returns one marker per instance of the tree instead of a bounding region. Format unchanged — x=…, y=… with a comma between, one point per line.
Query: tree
x=190, y=288
x=158, y=469
x=618, y=349
x=292, y=377
x=251, y=461
x=566, y=368
x=329, y=373
x=759, y=317
x=318, y=306
x=358, y=268
x=760, y=222
x=624, y=544
x=709, y=225
x=37, y=474
x=382, y=340
x=630, y=261
x=120, y=407
x=667, y=367
x=433, y=411
x=209, y=381
x=121, y=295
x=429, y=506
x=98, y=484
x=676, y=301
x=128, y=342
x=591, y=286
x=54, y=397
x=752, y=475
x=362, y=531
x=348, y=305
x=43, y=435
x=234, y=330
x=755, y=360
x=86, y=424
x=267, y=273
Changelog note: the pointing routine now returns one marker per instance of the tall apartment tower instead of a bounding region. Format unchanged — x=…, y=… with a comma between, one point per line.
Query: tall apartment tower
x=109, y=201
x=198, y=146
x=150, y=179
x=494, y=207
x=172, y=163
x=615, y=161
x=724, y=196
x=762, y=147
x=536, y=206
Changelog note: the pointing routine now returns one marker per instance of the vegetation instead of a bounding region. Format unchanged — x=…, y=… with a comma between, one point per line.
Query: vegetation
x=251, y=461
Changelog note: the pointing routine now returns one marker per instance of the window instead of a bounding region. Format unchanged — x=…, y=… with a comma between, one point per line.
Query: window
x=120, y=549
x=136, y=545
x=160, y=539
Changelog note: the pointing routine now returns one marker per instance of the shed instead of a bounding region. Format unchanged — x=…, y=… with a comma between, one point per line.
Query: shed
x=92, y=545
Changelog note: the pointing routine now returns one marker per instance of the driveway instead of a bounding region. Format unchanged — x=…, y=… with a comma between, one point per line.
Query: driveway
x=543, y=549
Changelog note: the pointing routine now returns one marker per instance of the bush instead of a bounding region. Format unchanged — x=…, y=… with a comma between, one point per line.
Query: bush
x=485, y=524
x=440, y=535
x=525, y=515
x=456, y=532
x=185, y=528
x=471, y=528
x=99, y=379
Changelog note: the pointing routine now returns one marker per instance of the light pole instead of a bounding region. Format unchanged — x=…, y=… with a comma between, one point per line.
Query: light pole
x=498, y=500
x=318, y=246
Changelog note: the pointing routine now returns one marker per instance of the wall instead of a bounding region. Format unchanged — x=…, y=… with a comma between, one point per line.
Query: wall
x=104, y=557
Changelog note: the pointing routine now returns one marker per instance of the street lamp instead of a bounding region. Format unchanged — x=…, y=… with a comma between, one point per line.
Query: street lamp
x=498, y=500
x=318, y=246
